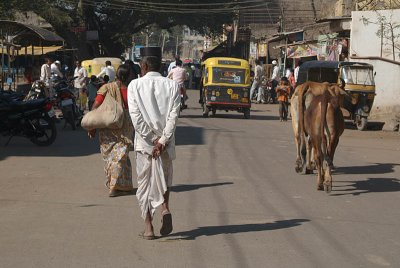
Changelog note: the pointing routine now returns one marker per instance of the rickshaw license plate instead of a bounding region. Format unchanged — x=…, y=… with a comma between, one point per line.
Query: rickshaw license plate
x=235, y=96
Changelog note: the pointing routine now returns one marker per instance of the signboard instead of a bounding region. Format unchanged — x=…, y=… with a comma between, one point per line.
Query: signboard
x=302, y=51
x=262, y=50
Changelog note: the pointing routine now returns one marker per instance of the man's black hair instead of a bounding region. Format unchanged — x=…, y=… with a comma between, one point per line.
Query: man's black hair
x=108, y=63
x=178, y=63
x=153, y=63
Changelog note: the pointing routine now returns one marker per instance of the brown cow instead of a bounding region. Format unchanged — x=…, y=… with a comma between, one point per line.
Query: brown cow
x=317, y=123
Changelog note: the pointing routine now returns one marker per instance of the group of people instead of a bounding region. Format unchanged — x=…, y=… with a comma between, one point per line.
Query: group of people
x=281, y=87
x=151, y=107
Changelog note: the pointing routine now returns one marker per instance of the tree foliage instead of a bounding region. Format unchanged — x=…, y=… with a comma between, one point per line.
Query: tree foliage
x=115, y=23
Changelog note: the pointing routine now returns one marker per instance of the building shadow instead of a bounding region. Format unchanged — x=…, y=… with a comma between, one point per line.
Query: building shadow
x=236, y=116
x=68, y=143
x=371, y=185
x=188, y=135
x=193, y=187
x=377, y=168
x=235, y=229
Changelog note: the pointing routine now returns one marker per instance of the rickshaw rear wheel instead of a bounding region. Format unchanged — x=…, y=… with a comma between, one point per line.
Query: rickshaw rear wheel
x=362, y=123
x=246, y=113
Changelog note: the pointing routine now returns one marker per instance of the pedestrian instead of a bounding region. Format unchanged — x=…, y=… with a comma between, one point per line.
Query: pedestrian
x=296, y=70
x=283, y=91
x=92, y=91
x=179, y=75
x=45, y=70
x=80, y=76
x=108, y=70
x=197, y=76
x=292, y=81
x=154, y=104
x=257, y=80
x=274, y=79
x=134, y=70
x=56, y=69
x=115, y=143
x=173, y=64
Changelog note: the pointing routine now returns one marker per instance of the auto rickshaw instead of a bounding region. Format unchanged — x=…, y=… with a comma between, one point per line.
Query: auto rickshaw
x=94, y=66
x=357, y=79
x=225, y=85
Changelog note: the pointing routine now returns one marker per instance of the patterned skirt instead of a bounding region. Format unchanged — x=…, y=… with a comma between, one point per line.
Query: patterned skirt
x=114, y=147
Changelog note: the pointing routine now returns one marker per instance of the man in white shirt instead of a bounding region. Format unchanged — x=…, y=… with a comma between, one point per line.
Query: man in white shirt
x=256, y=81
x=296, y=70
x=109, y=71
x=45, y=75
x=81, y=77
x=154, y=103
x=45, y=70
x=275, y=79
x=55, y=69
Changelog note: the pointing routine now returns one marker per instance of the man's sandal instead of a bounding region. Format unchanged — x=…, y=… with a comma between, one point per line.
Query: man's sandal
x=166, y=221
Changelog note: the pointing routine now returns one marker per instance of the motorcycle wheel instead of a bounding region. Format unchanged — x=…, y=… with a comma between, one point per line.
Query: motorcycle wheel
x=45, y=132
x=70, y=118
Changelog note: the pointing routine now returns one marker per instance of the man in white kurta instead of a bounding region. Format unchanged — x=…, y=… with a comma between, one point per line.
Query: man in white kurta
x=154, y=103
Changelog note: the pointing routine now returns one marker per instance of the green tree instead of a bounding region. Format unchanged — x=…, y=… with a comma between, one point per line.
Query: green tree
x=116, y=21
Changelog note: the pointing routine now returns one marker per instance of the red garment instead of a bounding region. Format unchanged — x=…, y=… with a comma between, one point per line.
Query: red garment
x=124, y=93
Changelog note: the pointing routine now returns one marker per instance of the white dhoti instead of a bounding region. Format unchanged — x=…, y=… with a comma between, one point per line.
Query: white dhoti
x=154, y=177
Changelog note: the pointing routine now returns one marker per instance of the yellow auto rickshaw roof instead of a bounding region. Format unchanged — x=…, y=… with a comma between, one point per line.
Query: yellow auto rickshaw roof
x=226, y=62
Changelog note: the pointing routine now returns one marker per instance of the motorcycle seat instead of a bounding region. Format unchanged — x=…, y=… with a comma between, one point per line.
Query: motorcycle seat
x=27, y=105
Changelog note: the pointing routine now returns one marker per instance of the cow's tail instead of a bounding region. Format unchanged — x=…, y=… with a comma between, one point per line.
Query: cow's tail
x=324, y=125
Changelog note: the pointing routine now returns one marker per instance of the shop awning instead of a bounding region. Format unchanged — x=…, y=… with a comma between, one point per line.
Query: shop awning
x=27, y=35
x=36, y=50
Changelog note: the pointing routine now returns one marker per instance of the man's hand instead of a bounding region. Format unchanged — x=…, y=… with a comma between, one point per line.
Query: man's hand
x=157, y=150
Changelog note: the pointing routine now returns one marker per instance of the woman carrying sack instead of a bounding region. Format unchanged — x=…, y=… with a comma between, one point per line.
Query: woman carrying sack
x=116, y=142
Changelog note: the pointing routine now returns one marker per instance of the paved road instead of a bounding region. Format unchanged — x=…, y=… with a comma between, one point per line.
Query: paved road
x=237, y=201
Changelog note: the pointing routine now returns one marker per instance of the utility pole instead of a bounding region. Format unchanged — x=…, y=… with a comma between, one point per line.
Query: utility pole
x=177, y=44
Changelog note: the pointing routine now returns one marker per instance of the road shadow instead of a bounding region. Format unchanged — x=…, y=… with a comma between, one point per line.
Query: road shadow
x=192, y=187
x=371, y=185
x=68, y=143
x=240, y=116
x=235, y=229
x=376, y=168
x=188, y=135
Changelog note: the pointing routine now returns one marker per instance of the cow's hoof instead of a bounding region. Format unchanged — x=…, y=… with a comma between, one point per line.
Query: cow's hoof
x=298, y=169
x=320, y=187
x=327, y=187
x=309, y=171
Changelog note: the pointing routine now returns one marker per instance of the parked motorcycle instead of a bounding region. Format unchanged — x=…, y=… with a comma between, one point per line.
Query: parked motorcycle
x=266, y=84
x=66, y=101
x=33, y=119
x=39, y=90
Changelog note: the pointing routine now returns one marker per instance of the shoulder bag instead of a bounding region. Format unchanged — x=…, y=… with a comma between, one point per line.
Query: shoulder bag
x=110, y=114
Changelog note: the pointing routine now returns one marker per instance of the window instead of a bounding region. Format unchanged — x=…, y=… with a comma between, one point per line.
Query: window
x=228, y=75
x=358, y=75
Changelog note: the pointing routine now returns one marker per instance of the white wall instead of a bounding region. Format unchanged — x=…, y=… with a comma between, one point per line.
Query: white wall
x=365, y=43
x=365, y=37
